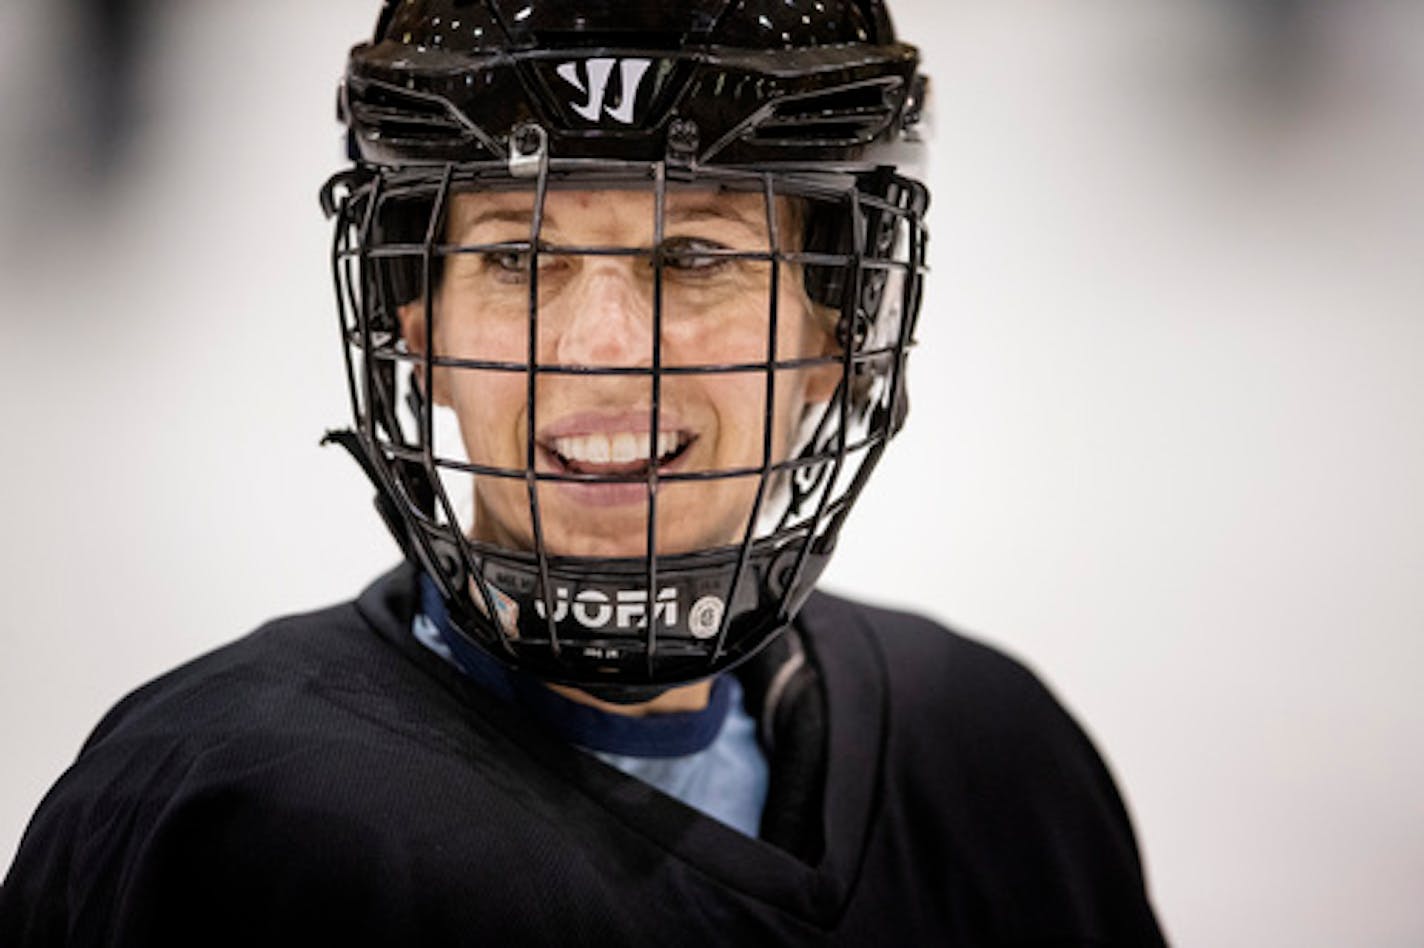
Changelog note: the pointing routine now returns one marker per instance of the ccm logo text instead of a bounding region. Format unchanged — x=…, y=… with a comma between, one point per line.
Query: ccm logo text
x=627, y=609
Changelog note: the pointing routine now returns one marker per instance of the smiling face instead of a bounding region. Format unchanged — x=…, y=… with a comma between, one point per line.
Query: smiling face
x=597, y=311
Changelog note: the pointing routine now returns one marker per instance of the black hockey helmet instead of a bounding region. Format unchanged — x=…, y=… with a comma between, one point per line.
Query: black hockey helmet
x=808, y=102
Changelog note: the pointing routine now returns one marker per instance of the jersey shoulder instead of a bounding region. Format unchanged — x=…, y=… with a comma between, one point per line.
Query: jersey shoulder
x=298, y=768
x=937, y=669
x=996, y=780
x=959, y=708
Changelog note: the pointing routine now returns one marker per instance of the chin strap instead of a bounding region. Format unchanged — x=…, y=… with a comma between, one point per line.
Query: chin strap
x=384, y=502
x=783, y=691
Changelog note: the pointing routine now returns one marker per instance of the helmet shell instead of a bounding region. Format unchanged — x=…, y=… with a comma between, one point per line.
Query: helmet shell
x=730, y=81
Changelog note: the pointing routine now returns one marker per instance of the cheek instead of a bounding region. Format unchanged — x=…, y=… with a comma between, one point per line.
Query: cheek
x=739, y=335
x=810, y=335
x=489, y=404
x=739, y=400
x=466, y=330
x=739, y=403
x=803, y=329
x=739, y=332
x=489, y=407
x=715, y=337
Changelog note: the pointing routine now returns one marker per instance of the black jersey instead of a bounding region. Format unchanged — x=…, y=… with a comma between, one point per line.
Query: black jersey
x=328, y=781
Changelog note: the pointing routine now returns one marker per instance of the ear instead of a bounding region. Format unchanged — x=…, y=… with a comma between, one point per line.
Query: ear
x=412, y=326
x=821, y=382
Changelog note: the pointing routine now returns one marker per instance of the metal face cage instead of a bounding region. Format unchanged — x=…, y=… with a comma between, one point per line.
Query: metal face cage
x=759, y=378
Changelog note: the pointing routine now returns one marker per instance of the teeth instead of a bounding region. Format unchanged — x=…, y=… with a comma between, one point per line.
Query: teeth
x=628, y=447
x=624, y=447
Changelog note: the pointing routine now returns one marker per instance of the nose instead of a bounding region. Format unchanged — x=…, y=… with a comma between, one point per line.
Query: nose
x=610, y=322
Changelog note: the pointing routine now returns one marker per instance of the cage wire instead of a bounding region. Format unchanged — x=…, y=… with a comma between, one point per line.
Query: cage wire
x=846, y=248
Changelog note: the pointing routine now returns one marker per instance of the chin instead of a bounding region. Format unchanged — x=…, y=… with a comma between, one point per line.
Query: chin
x=598, y=521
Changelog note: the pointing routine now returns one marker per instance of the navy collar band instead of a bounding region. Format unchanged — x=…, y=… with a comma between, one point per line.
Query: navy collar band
x=677, y=734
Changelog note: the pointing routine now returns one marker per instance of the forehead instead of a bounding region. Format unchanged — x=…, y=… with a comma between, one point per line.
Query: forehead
x=620, y=209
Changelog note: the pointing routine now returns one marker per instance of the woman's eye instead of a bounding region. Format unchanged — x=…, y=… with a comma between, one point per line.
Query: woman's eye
x=694, y=256
x=509, y=259
x=512, y=264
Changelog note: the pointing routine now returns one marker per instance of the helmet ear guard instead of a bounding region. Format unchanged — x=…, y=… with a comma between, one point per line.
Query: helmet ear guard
x=790, y=123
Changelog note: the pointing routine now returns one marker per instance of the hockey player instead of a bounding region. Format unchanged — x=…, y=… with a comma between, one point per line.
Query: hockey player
x=627, y=291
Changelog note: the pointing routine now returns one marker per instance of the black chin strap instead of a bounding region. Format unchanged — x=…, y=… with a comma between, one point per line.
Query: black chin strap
x=784, y=693
x=385, y=504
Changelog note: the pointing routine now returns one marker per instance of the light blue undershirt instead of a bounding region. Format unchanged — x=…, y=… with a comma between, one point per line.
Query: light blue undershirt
x=726, y=780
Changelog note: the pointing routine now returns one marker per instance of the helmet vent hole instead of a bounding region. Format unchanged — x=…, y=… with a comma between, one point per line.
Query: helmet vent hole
x=843, y=116
x=401, y=117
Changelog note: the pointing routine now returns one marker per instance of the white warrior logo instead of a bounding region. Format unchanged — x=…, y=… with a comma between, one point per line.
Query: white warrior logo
x=630, y=75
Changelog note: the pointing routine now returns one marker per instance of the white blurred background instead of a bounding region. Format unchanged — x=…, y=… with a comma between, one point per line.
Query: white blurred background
x=1168, y=432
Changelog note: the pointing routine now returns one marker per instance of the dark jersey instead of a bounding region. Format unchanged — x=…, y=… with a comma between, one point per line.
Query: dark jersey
x=327, y=780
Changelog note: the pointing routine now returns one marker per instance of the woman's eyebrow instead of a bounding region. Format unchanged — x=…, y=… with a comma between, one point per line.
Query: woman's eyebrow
x=499, y=215
x=752, y=220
